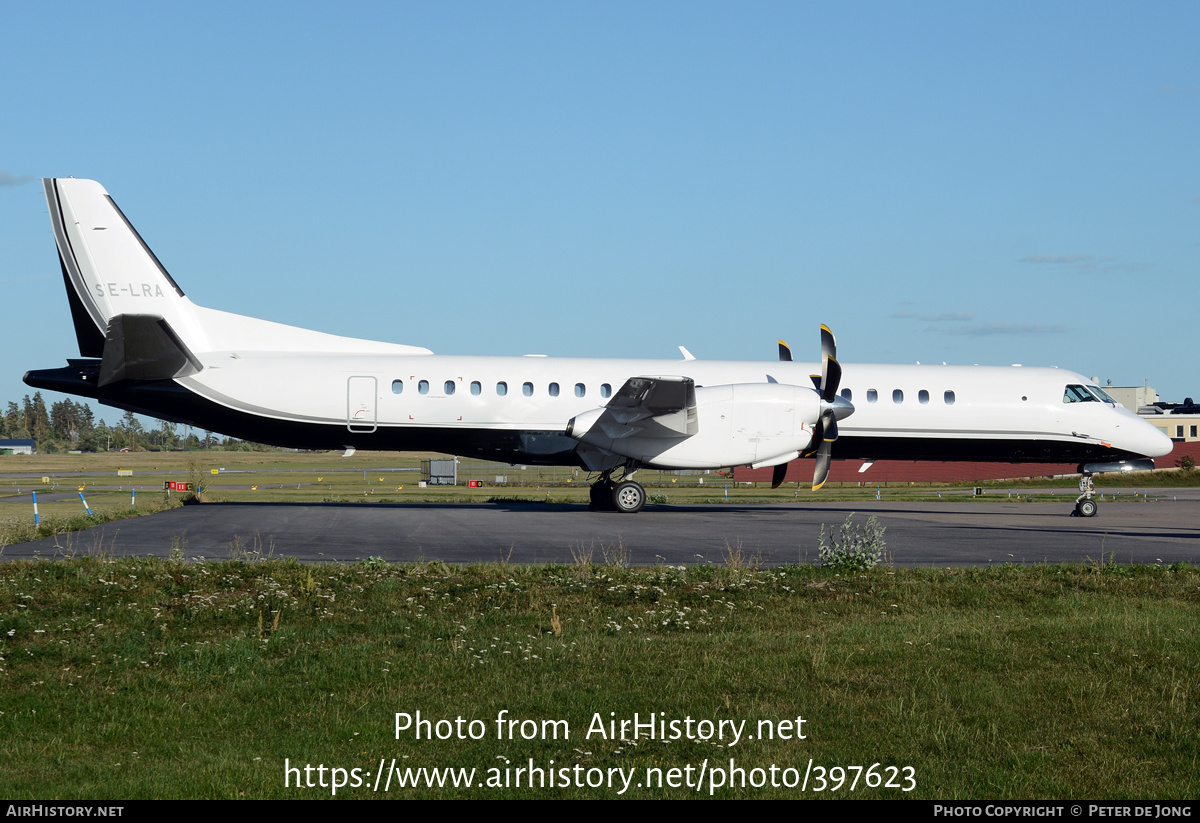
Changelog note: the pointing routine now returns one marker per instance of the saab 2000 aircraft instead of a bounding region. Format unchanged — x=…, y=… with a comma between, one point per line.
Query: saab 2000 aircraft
x=147, y=348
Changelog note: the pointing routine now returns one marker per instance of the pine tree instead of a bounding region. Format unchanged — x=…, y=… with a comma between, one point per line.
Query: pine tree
x=14, y=423
x=41, y=419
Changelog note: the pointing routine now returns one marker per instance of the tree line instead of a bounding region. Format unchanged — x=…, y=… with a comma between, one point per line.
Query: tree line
x=70, y=426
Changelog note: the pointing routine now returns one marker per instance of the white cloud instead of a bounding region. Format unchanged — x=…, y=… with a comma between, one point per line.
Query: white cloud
x=1060, y=259
x=953, y=316
x=1083, y=262
x=1005, y=328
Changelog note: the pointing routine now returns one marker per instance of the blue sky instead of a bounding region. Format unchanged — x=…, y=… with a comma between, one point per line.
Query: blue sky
x=960, y=182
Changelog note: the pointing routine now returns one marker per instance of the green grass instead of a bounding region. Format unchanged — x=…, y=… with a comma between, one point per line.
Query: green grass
x=126, y=678
x=65, y=523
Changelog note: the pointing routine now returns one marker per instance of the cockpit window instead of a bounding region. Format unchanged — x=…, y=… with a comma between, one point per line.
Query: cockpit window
x=1101, y=394
x=1078, y=394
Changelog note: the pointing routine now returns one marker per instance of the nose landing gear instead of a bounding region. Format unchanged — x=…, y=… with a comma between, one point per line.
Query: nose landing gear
x=1085, y=506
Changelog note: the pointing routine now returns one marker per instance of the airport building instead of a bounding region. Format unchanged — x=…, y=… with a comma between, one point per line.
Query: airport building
x=1182, y=428
x=17, y=447
x=1178, y=421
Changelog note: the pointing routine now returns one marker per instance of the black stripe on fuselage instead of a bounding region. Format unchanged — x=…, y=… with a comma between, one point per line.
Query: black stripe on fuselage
x=975, y=449
x=167, y=400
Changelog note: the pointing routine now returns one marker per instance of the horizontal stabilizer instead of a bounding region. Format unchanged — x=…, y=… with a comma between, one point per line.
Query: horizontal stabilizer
x=144, y=347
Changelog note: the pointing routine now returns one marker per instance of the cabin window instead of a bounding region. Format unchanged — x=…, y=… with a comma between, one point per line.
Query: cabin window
x=949, y=398
x=527, y=389
x=897, y=396
x=872, y=395
x=423, y=387
x=923, y=397
x=448, y=387
x=397, y=386
x=554, y=390
x=580, y=390
x=849, y=395
x=605, y=390
x=501, y=388
x=476, y=387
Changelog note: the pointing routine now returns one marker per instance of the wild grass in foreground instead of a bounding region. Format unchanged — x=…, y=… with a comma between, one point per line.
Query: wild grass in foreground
x=127, y=678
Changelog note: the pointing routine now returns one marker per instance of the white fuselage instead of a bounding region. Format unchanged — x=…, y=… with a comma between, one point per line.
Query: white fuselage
x=148, y=348
x=967, y=405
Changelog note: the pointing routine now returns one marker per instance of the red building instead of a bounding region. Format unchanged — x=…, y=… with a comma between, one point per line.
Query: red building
x=925, y=471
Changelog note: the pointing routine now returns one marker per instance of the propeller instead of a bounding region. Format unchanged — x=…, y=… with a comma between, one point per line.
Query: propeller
x=833, y=408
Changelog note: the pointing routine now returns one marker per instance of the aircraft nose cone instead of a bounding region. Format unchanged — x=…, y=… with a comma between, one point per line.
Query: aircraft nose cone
x=1155, y=442
x=1140, y=436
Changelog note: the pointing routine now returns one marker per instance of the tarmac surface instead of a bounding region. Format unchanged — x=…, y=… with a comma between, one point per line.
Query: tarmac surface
x=917, y=534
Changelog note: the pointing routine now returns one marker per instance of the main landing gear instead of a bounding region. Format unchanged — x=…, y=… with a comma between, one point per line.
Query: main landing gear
x=609, y=495
x=1085, y=506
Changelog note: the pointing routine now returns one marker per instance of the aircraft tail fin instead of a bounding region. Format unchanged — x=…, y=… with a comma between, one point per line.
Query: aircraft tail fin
x=129, y=311
x=109, y=271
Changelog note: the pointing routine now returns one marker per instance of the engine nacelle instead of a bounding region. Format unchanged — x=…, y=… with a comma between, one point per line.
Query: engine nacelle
x=741, y=424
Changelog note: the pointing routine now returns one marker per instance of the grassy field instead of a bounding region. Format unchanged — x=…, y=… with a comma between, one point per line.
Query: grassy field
x=127, y=678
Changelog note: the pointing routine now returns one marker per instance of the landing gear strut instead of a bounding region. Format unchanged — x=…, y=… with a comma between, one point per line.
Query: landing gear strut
x=600, y=494
x=625, y=496
x=1085, y=506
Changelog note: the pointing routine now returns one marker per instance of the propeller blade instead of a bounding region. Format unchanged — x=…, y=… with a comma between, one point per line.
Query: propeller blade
x=831, y=377
x=785, y=353
x=828, y=343
x=778, y=474
x=824, y=458
x=825, y=432
x=827, y=428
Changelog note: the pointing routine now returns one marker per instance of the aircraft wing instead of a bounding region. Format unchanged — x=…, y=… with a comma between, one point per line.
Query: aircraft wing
x=650, y=407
